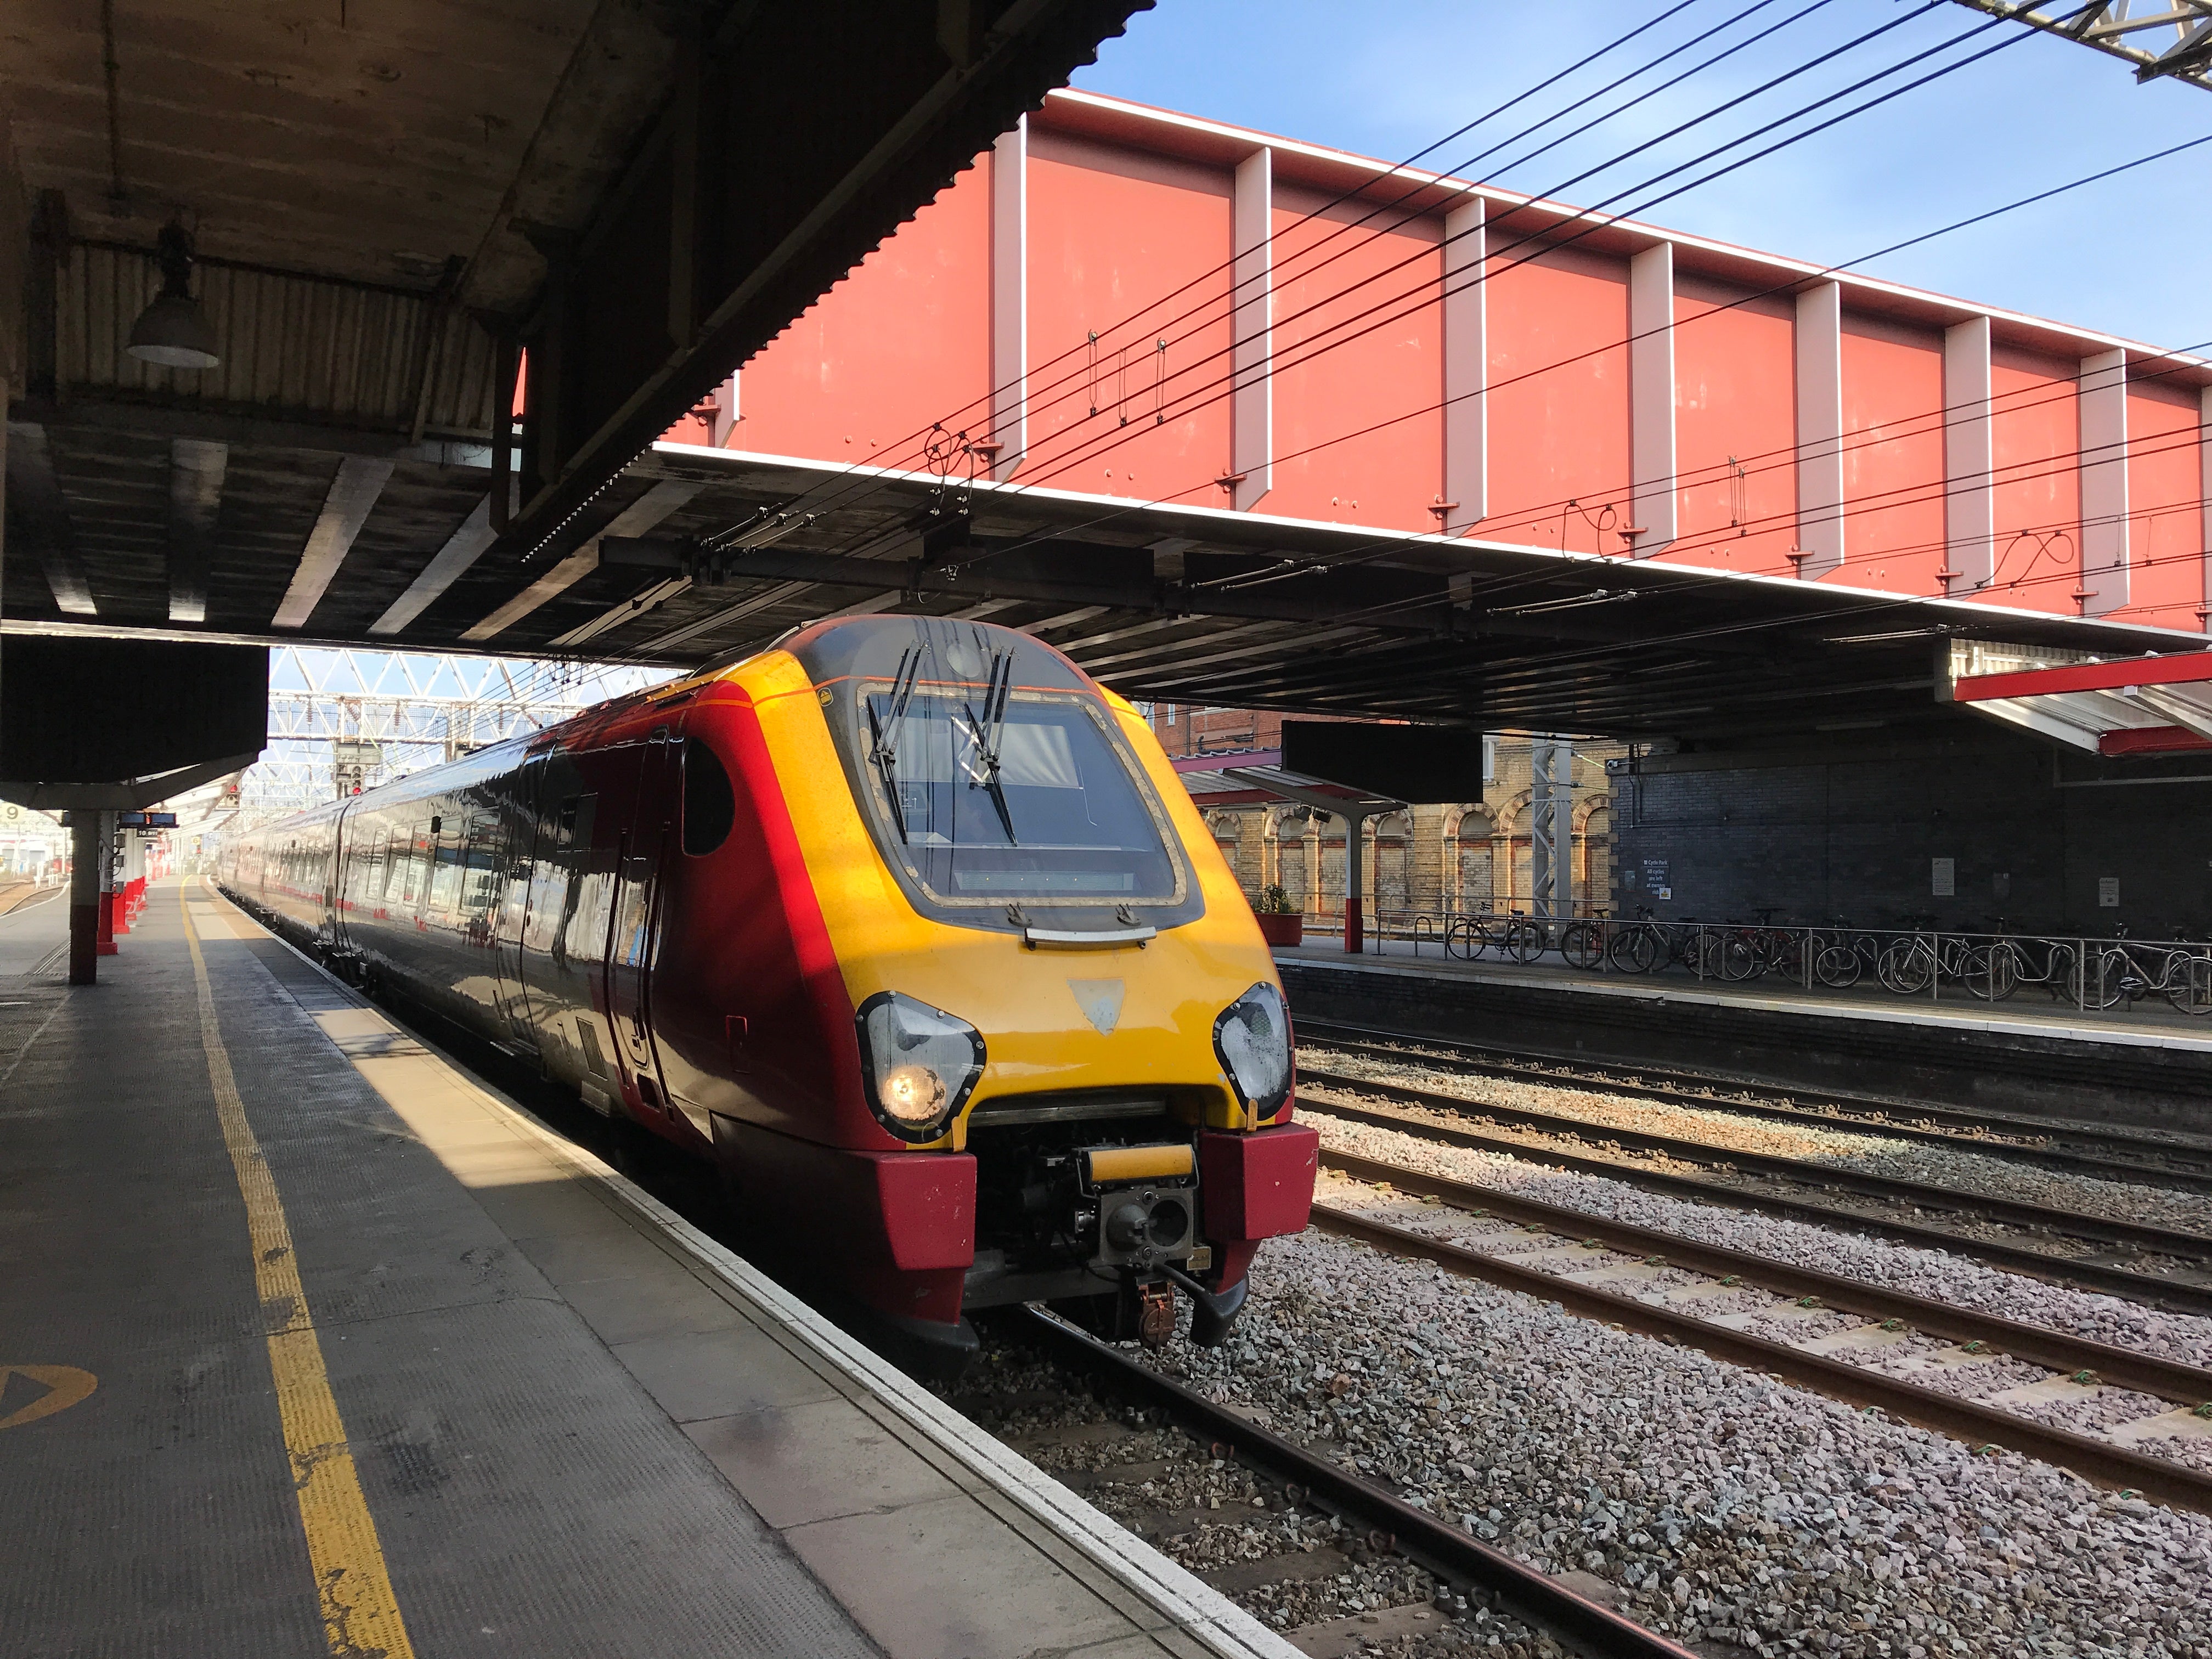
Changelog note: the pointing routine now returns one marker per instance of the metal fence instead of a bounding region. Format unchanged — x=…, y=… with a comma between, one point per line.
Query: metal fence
x=2091, y=975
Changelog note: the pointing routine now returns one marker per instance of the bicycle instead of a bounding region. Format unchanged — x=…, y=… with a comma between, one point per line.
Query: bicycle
x=1583, y=942
x=1841, y=957
x=1912, y=965
x=2132, y=971
x=2032, y=960
x=1524, y=939
x=1781, y=950
x=1645, y=945
x=1736, y=952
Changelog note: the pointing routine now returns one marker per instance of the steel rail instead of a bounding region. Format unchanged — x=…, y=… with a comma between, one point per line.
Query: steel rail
x=2096, y=1461
x=1445, y=1550
x=2194, y=1247
x=2169, y=1379
x=1855, y=1113
x=2179, y=1298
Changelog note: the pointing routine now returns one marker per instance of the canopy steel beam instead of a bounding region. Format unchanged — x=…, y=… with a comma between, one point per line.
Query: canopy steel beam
x=744, y=195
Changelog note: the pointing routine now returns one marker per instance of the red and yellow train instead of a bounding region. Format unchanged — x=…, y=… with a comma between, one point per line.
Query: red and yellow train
x=903, y=921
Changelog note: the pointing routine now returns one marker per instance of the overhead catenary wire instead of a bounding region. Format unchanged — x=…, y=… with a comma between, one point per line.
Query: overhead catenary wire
x=1424, y=296
x=1545, y=197
x=1978, y=216
x=914, y=444
x=1381, y=613
x=1491, y=269
x=931, y=451
x=1546, y=510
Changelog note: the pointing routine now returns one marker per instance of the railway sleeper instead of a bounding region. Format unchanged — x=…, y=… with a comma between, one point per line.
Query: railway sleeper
x=1980, y=1425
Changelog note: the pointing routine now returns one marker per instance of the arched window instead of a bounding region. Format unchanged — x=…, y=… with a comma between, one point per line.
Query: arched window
x=710, y=807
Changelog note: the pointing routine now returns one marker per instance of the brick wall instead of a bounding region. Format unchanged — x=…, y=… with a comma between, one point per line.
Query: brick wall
x=1856, y=835
x=1470, y=857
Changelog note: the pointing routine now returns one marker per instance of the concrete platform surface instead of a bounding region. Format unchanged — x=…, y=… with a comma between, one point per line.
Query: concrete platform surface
x=310, y=1343
x=2029, y=1012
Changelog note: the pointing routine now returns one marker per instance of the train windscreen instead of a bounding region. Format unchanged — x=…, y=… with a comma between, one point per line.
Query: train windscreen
x=1020, y=796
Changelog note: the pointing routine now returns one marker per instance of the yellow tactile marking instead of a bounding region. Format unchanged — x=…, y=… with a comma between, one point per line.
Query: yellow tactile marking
x=361, y=1614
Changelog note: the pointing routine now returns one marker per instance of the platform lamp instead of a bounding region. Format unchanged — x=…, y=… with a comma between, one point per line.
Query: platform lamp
x=173, y=332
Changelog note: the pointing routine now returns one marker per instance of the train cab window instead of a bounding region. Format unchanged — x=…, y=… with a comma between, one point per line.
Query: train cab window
x=710, y=806
x=1038, y=804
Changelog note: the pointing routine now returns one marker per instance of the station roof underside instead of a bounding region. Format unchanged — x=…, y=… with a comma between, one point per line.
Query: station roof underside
x=1210, y=606
x=392, y=205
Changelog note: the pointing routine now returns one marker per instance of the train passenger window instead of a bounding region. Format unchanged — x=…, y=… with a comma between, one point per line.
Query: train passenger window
x=709, y=806
x=445, y=882
x=487, y=859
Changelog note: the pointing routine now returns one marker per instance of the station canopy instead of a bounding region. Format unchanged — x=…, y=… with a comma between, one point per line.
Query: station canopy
x=2110, y=708
x=1208, y=606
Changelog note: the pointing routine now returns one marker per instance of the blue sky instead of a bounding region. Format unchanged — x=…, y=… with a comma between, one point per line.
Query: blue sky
x=1389, y=77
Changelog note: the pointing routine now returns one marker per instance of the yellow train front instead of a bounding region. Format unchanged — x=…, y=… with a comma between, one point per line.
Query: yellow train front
x=904, y=923
x=1018, y=1039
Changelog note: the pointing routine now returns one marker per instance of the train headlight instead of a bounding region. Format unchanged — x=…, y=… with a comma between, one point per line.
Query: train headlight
x=1252, y=1039
x=920, y=1064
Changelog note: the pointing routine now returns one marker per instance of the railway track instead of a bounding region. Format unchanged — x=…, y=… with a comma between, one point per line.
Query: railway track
x=1331, y=1525
x=2114, y=1154
x=1354, y=1097
x=1563, y=1254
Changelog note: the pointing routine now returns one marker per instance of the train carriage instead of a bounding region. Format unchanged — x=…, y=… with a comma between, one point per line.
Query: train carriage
x=904, y=923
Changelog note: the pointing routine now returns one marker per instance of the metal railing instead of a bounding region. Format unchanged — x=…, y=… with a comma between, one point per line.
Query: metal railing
x=2091, y=974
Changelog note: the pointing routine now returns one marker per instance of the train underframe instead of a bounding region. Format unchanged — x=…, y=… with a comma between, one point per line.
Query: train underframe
x=1109, y=1220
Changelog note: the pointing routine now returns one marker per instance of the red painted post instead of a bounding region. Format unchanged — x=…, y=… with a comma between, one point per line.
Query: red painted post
x=105, y=858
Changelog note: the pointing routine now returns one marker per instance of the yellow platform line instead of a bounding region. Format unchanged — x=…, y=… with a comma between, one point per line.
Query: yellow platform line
x=361, y=1614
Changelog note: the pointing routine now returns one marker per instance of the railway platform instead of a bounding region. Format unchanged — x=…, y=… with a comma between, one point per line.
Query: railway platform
x=2150, y=1068
x=311, y=1342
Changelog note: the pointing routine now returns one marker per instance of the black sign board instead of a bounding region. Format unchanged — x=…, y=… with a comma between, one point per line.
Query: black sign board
x=1411, y=764
x=124, y=820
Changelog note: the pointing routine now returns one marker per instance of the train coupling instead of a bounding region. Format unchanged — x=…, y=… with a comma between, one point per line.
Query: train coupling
x=1156, y=1315
x=1152, y=1304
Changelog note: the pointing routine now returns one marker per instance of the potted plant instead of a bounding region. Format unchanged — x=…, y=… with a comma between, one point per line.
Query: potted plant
x=1279, y=925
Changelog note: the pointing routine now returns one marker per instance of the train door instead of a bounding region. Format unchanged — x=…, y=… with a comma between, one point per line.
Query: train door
x=514, y=915
x=633, y=935
x=344, y=833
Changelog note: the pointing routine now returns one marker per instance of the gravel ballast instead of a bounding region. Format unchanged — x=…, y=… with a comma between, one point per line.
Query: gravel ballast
x=1728, y=1509
x=1861, y=1151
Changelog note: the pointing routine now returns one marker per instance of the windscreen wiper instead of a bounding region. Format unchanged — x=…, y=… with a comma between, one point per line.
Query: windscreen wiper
x=988, y=732
x=884, y=754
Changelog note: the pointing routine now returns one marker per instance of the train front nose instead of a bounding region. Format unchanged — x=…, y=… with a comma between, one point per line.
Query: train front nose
x=1059, y=988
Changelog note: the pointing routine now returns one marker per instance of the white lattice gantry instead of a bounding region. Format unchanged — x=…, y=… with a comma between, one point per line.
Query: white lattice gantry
x=381, y=714
x=2163, y=39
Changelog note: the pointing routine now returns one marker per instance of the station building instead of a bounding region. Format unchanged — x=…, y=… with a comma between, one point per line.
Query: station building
x=1129, y=304
x=1469, y=857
